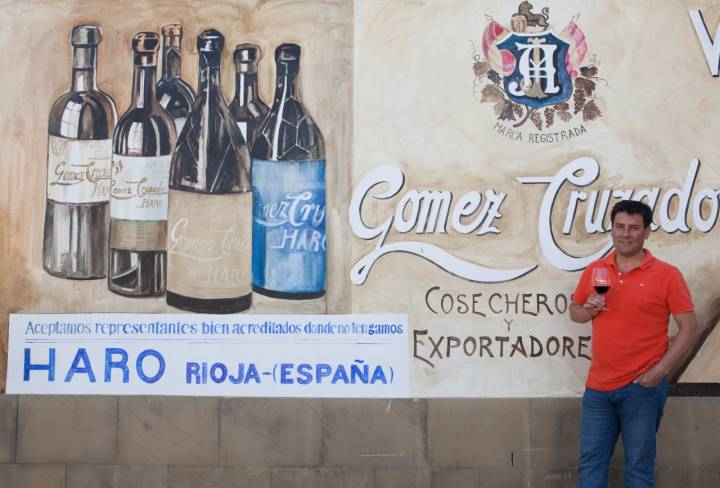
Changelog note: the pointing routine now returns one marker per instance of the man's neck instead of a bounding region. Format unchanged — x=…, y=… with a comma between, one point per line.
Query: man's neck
x=626, y=263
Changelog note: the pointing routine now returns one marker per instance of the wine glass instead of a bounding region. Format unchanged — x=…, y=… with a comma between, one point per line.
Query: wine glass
x=601, y=281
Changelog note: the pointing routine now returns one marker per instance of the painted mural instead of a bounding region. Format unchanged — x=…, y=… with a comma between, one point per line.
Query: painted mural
x=476, y=209
x=453, y=161
x=189, y=176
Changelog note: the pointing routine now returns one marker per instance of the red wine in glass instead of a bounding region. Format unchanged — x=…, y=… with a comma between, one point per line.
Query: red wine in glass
x=601, y=281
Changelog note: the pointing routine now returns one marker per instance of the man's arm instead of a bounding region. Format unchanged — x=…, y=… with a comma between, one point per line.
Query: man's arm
x=688, y=332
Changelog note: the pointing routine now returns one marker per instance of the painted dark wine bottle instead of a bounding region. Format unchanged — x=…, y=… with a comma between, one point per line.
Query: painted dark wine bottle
x=174, y=94
x=247, y=107
x=289, y=218
x=143, y=143
x=75, y=237
x=209, y=235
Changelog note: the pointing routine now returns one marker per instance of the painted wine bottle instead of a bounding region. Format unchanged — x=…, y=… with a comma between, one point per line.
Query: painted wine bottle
x=247, y=107
x=210, y=216
x=78, y=181
x=289, y=238
x=174, y=94
x=142, y=149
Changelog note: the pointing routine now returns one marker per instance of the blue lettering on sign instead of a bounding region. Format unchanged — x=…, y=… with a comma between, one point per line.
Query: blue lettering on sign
x=121, y=364
x=200, y=373
x=218, y=372
x=139, y=365
x=322, y=373
x=76, y=368
x=379, y=376
x=304, y=372
x=289, y=239
x=115, y=358
x=340, y=375
x=285, y=371
x=49, y=366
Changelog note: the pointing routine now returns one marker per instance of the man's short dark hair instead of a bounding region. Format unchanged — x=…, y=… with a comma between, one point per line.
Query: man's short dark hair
x=631, y=207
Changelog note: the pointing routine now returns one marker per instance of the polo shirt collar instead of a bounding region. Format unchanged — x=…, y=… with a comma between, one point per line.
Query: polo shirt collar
x=648, y=259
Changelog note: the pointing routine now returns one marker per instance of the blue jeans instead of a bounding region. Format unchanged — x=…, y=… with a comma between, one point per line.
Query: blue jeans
x=632, y=411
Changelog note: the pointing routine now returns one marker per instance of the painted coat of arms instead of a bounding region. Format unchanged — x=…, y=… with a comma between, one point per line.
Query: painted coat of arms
x=530, y=73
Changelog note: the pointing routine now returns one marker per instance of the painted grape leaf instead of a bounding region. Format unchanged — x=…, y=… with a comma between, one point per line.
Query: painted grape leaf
x=588, y=86
x=564, y=115
x=504, y=110
x=589, y=71
x=491, y=93
x=591, y=111
x=481, y=68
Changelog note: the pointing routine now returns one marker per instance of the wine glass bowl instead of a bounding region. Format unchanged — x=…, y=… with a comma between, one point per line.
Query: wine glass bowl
x=601, y=281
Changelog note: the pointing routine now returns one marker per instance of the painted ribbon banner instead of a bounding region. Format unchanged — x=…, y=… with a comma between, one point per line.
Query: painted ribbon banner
x=209, y=355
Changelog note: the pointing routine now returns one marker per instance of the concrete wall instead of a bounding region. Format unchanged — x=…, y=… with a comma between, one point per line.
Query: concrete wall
x=177, y=442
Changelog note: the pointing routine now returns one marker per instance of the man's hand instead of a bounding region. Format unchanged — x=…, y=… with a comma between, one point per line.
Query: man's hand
x=684, y=340
x=651, y=377
x=588, y=310
x=594, y=304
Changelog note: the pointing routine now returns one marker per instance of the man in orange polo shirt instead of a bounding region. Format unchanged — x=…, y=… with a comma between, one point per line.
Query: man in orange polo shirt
x=626, y=387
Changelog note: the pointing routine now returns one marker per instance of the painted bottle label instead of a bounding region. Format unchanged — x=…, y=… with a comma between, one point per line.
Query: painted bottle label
x=139, y=187
x=289, y=239
x=78, y=170
x=208, y=244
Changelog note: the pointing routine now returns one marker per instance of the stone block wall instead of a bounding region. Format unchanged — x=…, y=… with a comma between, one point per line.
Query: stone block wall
x=179, y=442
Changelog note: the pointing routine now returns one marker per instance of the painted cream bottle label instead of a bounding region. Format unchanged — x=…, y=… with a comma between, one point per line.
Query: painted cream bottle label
x=139, y=187
x=78, y=170
x=209, y=244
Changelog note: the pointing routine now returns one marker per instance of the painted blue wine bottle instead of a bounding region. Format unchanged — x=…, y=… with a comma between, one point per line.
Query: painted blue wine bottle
x=289, y=239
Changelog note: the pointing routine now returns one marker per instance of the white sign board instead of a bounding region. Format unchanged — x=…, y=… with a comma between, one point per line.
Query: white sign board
x=209, y=355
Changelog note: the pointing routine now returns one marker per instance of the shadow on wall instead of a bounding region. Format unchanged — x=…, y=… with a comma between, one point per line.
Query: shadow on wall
x=700, y=372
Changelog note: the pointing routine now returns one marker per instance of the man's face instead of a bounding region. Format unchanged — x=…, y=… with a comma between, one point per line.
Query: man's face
x=629, y=233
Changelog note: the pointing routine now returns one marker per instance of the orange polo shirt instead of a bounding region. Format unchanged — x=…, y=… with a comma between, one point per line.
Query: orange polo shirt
x=632, y=336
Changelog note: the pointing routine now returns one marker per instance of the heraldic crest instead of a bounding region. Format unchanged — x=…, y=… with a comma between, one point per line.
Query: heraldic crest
x=530, y=73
